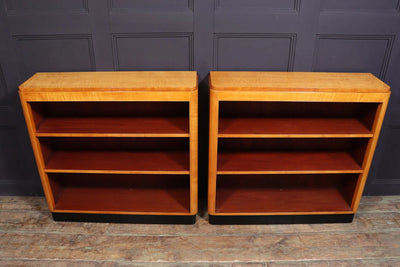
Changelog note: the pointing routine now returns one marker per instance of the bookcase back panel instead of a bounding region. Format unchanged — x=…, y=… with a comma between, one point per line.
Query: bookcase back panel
x=121, y=193
x=285, y=193
x=260, y=109
x=290, y=144
x=124, y=109
x=116, y=143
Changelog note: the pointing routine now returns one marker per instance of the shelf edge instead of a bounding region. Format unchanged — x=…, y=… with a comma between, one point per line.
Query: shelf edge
x=295, y=135
x=115, y=172
x=289, y=172
x=108, y=135
x=283, y=213
x=77, y=211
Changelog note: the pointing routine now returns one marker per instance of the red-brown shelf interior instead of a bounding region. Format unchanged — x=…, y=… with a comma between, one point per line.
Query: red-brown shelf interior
x=114, y=125
x=119, y=161
x=287, y=162
x=111, y=118
x=257, y=117
x=121, y=193
x=284, y=193
x=278, y=168
x=291, y=155
x=124, y=155
x=293, y=126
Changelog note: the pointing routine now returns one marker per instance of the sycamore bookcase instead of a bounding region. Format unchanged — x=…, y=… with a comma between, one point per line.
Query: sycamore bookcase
x=115, y=146
x=291, y=147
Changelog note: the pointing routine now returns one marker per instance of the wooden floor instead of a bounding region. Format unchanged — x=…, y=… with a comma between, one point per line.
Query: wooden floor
x=29, y=237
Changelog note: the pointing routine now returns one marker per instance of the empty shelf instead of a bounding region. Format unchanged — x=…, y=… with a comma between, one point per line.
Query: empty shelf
x=146, y=162
x=292, y=127
x=286, y=162
x=280, y=200
x=114, y=126
x=123, y=200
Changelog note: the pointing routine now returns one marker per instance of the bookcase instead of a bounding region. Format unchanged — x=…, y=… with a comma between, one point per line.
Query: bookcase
x=115, y=146
x=291, y=147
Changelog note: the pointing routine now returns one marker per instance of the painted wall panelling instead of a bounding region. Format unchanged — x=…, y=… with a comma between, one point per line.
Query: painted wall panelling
x=287, y=35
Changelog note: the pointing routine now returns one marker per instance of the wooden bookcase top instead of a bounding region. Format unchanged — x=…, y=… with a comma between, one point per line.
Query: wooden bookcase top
x=112, y=81
x=297, y=81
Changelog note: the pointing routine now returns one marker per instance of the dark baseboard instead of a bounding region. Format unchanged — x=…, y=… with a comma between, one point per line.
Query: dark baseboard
x=282, y=219
x=124, y=218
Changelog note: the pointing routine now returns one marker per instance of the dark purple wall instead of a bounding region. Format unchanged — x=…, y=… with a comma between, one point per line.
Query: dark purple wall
x=202, y=35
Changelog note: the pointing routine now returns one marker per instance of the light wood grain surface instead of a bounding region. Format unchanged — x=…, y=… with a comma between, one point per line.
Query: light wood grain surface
x=260, y=95
x=297, y=81
x=108, y=81
x=137, y=116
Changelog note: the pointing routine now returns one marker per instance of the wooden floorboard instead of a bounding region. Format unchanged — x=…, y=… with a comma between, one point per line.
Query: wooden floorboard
x=29, y=237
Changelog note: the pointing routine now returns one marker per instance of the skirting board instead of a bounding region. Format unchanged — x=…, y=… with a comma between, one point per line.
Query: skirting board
x=123, y=218
x=281, y=219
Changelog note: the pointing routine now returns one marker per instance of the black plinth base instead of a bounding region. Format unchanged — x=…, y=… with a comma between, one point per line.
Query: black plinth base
x=123, y=218
x=282, y=219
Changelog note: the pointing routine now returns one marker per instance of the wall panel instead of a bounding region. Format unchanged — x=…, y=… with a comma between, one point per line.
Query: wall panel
x=353, y=53
x=254, y=51
x=25, y=7
x=360, y=5
x=56, y=52
x=162, y=51
x=203, y=35
x=291, y=5
x=152, y=4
